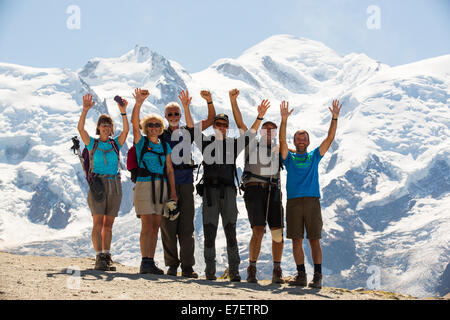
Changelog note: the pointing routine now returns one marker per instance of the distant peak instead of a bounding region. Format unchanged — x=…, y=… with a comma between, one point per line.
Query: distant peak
x=142, y=53
x=282, y=44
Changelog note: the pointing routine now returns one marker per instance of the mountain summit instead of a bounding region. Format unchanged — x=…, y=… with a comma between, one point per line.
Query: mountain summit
x=385, y=180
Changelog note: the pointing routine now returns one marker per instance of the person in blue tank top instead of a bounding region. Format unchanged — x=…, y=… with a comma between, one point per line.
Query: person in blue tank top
x=104, y=163
x=303, y=193
x=155, y=178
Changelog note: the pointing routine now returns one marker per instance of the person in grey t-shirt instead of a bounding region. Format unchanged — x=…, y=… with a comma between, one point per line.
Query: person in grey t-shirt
x=262, y=194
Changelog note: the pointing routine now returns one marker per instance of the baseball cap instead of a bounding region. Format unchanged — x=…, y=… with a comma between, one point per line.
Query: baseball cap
x=221, y=116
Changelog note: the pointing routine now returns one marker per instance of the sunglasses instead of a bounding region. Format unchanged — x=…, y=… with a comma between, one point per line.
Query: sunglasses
x=221, y=125
x=176, y=114
x=154, y=125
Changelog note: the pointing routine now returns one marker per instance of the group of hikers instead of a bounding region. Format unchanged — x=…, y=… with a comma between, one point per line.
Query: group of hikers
x=165, y=173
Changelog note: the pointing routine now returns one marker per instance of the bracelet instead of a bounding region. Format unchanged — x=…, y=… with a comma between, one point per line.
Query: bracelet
x=259, y=118
x=124, y=114
x=334, y=119
x=210, y=102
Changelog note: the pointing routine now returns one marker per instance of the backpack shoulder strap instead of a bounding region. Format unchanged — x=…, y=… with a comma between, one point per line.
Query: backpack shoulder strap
x=143, y=151
x=164, y=144
x=281, y=163
x=116, y=149
x=91, y=155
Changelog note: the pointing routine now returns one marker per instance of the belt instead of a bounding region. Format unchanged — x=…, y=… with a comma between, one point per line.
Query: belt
x=257, y=184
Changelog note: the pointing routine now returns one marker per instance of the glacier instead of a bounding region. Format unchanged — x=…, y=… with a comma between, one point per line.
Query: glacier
x=385, y=182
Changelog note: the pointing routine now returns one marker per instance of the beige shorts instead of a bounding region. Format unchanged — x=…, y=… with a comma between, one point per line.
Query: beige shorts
x=113, y=197
x=304, y=213
x=143, y=200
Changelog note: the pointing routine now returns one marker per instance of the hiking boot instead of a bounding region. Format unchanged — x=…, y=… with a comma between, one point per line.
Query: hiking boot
x=299, y=280
x=251, y=274
x=210, y=272
x=316, y=281
x=145, y=267
x=189, y=273
x=100, y=262
x=210, y=276
x=277, y=274
x=234, y=276
x=109, y=262
x=150, y=267
x=155, y=270
x=172, y=271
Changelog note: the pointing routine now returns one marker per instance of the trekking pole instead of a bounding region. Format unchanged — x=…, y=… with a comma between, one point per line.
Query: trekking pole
x=268, y=199
x=76, y=150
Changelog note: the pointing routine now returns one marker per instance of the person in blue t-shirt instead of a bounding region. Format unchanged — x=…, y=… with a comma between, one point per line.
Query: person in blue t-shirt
x=303, y=193
x=104, y=163
x=151, y=190
x=182, y=229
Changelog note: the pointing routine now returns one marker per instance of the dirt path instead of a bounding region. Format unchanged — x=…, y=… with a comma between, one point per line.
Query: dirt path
x=36, y=277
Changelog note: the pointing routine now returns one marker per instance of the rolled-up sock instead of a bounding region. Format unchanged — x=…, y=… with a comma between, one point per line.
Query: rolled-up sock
x=253, y=263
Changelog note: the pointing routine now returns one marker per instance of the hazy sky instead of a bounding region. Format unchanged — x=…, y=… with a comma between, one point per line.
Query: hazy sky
x=198, y=32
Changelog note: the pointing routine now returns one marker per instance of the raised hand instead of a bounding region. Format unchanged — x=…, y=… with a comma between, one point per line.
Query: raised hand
x=284, y=110
x=262, y=108
x=184, y=98
x=87, y=102
x=123, y=108
x=140, y=95
x=205, y=94
x=336, y=109
x=234, y=93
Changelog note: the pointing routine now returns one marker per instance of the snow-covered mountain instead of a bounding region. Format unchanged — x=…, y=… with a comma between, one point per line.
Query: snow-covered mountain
x=385, y=181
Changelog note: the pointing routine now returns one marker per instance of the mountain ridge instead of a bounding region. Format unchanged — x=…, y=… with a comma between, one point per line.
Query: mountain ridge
x=378, y=179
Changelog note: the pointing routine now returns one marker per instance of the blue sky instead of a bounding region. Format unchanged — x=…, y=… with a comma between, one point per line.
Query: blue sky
x=198, y=32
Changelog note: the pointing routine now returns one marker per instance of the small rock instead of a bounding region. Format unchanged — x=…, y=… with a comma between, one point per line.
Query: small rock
x=359, y=289
x=93, y=291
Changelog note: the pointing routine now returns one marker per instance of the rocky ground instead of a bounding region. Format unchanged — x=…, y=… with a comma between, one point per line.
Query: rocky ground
x=36, y=277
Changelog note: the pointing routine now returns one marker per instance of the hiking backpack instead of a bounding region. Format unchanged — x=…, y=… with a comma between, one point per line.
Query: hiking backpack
x=136, y=171
x=88, y=158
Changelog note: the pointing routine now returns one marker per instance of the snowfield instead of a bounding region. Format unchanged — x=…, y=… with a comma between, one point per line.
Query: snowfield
x=385, y=182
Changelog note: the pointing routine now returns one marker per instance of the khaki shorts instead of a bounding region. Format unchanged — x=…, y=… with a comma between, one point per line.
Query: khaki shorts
x=113, y=197
x=143, y=200
x=303, y=213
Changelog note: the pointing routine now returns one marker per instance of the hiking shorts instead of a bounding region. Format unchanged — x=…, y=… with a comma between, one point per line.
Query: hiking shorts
x=255, y=198
x=304, y=213
x=143, y=199
x=113, y=197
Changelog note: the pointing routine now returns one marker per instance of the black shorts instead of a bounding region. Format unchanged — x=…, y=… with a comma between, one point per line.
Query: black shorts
x=255, y=198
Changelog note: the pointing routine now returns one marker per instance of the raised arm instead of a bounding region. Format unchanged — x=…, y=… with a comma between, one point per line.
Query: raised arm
x=234, y=93
x=126, y=126
x=325, y=145
x=87, y=104
x=262, y=109
x=140, y=98
x=285, y=113
x=211, y=110
x=186, y=102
